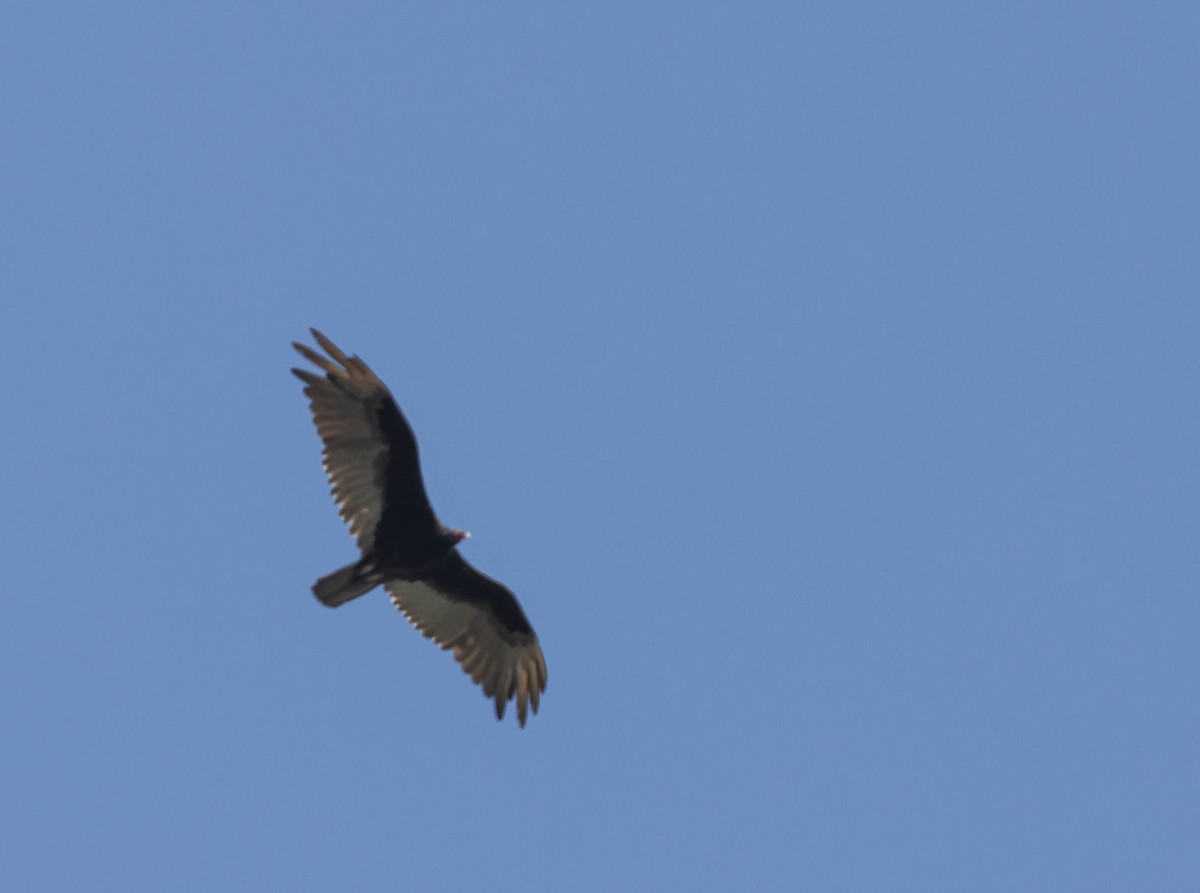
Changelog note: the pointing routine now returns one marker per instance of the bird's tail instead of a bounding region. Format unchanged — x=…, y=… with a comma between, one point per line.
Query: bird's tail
x=344, y=584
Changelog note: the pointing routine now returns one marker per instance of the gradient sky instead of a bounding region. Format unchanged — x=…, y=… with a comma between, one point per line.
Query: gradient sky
x=822, y=377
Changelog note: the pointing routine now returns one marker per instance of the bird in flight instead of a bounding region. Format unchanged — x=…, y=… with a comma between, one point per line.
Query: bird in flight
x=370, y=457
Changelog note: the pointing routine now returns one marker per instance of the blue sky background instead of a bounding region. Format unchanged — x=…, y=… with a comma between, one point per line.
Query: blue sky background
x=822, y=377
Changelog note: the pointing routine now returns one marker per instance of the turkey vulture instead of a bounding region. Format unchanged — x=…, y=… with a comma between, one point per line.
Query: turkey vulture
x=371, y=460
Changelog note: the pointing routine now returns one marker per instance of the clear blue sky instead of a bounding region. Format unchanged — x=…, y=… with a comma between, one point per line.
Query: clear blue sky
x=824, y=378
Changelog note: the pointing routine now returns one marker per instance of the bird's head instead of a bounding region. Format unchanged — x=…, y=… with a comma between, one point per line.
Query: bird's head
x=455, y=536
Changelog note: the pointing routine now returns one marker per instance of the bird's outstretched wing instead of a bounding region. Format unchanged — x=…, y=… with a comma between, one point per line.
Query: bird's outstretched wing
x=370, y=453
x=481, y=621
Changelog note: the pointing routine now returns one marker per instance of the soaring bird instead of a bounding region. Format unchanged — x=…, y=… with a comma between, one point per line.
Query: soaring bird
x=370, y=457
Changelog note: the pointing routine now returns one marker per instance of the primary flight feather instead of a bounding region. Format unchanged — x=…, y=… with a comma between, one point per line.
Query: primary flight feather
x=374, y=471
